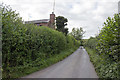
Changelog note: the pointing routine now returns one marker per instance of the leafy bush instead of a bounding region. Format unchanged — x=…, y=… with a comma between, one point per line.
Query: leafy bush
x=23, y=44
x=104, y=67
x=108, y=48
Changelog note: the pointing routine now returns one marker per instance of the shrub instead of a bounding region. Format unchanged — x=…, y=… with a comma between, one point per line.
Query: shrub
x=108, y=49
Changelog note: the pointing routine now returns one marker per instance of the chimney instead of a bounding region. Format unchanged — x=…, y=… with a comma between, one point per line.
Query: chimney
x=52, y=20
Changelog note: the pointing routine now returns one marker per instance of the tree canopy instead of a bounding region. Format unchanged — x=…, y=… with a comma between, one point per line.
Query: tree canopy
x=61, y=22
x=77, y=33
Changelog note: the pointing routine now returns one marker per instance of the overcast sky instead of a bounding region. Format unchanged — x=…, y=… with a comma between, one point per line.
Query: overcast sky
x=88, y=14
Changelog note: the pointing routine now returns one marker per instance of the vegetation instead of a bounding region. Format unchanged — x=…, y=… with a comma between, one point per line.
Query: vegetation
x=38, y=64
x=85, y=42
x=105, y=55
x=91, y=43
x=0, y=44
x=27, y=47
x=78, y=34
x=61, y=22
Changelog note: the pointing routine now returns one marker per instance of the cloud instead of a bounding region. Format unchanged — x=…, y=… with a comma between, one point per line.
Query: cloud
x=88, y=14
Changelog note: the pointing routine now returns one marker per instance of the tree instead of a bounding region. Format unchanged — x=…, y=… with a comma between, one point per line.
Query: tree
x=77, y=33
x=91, y=43
x=61, y=22
x=108, y=39
x=108, y=47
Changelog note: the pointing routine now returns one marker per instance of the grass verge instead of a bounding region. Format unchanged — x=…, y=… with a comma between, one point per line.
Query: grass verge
x=17, y=72
x=93, y=56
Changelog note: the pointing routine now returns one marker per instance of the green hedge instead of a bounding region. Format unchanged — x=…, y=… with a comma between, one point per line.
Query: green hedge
x=104, y=67
x=107, y=48
x=109, y=38
x=25, y=43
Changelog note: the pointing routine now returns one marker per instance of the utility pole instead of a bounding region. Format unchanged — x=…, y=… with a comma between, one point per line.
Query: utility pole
x=54, y=6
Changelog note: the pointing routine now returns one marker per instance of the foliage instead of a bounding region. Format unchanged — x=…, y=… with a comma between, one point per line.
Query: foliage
x=38, y=64
x=108, y=39
x=0, y=43
x=106, y=57
x=104, y=67
x=85, y=42
x=109, y=45
x=77, y=33
x=61, y=22
x=91, y=43
x=24, y=44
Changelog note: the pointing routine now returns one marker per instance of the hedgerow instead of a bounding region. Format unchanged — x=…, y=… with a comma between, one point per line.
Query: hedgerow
x=109, y=47
x=106, y=49
x=25, y=44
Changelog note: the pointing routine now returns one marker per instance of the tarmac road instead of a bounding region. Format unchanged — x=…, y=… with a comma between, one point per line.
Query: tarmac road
x=77, y=65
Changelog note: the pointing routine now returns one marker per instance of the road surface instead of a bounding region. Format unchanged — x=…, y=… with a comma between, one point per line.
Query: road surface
x=77, y=65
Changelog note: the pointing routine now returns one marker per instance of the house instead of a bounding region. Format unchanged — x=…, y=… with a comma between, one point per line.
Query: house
x=44, y=22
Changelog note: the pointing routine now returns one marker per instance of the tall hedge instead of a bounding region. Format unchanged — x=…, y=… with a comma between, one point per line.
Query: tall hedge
x=107, y=49
x=109, y=37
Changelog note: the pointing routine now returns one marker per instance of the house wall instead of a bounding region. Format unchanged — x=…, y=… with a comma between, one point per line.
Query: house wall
x=42, y=24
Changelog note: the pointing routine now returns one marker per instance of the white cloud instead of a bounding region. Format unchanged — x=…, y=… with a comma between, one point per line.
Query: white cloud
x=89, y=14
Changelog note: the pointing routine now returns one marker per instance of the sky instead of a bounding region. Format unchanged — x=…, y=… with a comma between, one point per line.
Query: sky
x=88, y=14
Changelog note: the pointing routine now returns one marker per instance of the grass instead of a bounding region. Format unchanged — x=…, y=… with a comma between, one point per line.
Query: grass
x=21, y=71
x=92, y=54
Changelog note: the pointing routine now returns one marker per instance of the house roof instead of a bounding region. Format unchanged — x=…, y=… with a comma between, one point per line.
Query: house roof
x=38, y=21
